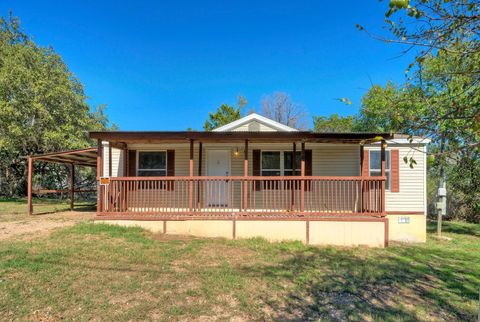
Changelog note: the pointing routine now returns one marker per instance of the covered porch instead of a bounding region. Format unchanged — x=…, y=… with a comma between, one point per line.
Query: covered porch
x=205, y=191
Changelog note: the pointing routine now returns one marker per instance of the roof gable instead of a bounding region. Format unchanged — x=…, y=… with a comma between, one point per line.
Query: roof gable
x=255, y=123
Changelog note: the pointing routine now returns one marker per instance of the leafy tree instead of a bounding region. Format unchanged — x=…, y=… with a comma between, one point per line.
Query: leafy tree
x=280, y=107
x=441, y=95
x=225, y=114
x=414, y=108
x=446, y=69
x=335, y=123
x=42, y=107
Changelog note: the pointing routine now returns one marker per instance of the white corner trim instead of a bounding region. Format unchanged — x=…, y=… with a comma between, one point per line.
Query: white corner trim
x=255, y=117
x=425, y=204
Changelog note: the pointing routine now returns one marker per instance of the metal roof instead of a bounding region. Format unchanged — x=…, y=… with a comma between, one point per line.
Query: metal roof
x=84, y=157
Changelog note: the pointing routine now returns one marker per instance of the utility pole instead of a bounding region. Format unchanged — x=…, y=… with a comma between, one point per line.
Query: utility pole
x=441, y=204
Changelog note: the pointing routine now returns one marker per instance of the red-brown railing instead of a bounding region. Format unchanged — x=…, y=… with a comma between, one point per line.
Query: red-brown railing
x=249, y=196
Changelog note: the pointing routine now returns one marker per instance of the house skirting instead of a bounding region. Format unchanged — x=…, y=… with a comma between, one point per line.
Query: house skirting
x=407, y=226
x=341, y=231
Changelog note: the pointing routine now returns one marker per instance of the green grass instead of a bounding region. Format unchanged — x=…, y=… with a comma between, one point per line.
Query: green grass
x=102, y=272
x=16, y=208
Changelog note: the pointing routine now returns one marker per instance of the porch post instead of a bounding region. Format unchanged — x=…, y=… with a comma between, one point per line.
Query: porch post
x=362, y=157
x=200, y=183
x=99, y=174
x=29, y=186
x=110, y=159
x=245, y=174
x=190, y=203
x=362, y=170
x=125, y=162
x=302, y=185
x=72, y=186
x=294, y=173
x=383, y=174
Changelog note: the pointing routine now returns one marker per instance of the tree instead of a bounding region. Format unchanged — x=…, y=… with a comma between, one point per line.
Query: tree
x=446, y=69
x=42, y=107
x=280, y=107
x=441, y=95
x=414, y=108
x=225, y=114
x=335, y=123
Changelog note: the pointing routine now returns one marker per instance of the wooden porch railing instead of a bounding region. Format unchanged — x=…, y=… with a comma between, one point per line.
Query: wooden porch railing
x=211, y=197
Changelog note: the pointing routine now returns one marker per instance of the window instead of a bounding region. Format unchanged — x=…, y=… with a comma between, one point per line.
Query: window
x=288, y=163
x=271, y=163
x=152, y=164
x=276, y=163
x=376, y=165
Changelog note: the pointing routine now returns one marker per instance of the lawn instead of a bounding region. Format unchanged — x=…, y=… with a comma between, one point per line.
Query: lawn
x=16, y=208
x=92, y=271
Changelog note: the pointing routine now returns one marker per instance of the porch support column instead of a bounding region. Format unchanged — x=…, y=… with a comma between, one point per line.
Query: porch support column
x=361, y=206
x=125, y=162
x=29, y=186
x=72, y=186
x=99, y=174
x=383, y=174
x=200, y=183
x=294, y=173
x=245, y=174
x=362, y=157
x=110, y=159
x=190, y=202
x=302, y=185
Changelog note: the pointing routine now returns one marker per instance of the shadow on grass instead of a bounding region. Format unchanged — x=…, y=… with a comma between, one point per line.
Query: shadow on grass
x=78, y=208
x=400, y=283
x=455, y=228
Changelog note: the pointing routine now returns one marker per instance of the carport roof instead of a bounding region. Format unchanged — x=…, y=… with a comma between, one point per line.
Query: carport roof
x=84, y=157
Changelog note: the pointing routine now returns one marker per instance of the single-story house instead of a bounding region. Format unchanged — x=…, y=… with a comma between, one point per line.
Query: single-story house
x=255, y=177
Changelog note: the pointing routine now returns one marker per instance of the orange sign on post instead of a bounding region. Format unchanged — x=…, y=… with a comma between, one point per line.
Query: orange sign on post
x=104, y=181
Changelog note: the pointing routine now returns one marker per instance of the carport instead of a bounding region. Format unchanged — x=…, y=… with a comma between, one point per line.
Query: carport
x=82, y=157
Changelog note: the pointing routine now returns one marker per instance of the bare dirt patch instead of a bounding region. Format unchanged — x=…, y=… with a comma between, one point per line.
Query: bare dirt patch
x=41, y=225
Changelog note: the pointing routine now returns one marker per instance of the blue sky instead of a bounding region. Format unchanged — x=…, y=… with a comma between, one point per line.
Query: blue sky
x=162, y=65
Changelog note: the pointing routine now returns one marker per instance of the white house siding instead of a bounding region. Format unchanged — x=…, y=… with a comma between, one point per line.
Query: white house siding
x=412, y=181
x=335, y=160
x=117, y=161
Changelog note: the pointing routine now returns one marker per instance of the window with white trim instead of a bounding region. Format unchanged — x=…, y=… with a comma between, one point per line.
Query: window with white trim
x=376, y=165
x=152, y=164
x=276, y=163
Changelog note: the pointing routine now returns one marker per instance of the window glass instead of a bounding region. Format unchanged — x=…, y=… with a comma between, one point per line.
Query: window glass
x=271, y=163
x=376, y=165
x=152, y=164
x=288, y=163
x=376, y=160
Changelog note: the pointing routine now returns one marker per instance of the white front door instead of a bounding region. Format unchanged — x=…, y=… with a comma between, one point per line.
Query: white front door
x=218, y=164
